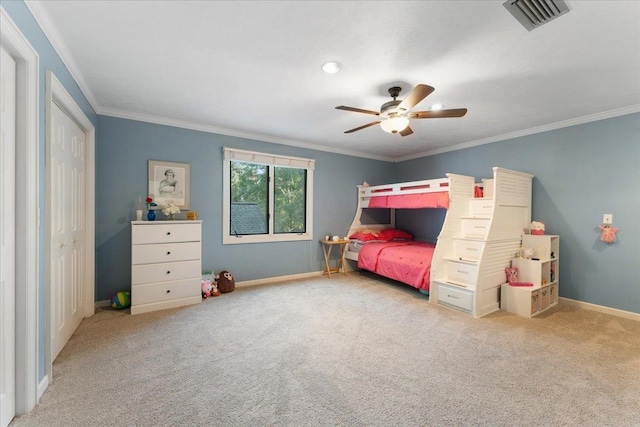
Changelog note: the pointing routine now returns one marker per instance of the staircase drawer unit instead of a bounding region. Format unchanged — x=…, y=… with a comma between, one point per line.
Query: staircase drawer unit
x=461, y=273
x=455, y=297
x=475, y=227
x=480, y=208
x=468, y=250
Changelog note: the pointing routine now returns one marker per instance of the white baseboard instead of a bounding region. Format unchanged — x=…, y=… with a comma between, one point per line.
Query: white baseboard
x=278, y=279
x=42, y=386
x=601, y=309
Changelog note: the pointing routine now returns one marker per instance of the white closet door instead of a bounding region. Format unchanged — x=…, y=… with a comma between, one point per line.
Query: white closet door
x=67, y=227
x=7, y=236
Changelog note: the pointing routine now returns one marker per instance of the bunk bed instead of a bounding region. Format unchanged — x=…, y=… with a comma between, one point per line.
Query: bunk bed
x=382, y=249
x=480, y=235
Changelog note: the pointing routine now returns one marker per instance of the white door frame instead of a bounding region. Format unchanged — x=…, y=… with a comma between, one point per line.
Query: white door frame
x=55, y=92
x=27, y=212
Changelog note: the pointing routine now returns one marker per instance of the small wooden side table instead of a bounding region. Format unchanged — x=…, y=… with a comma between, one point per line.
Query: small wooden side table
x=327, y=245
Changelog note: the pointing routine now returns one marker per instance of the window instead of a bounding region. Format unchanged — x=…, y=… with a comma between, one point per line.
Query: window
x=266, y=198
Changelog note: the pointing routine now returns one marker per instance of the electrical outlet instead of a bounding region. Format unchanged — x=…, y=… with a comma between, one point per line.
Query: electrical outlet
x=607, y=219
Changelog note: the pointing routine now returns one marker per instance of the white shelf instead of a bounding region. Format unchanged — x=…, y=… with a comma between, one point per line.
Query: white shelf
x=529, y=301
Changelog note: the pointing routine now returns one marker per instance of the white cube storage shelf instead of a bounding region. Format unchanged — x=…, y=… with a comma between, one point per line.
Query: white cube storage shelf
x=543, y=272
x=166, y=264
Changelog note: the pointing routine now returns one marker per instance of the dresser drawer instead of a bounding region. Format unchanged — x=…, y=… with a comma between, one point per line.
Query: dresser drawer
x=459, y=298
x=165, y=291
x=169, y=271
x=165, y=232
x=461, y=273
x=165, y=252
x=475, y=227
x=468, y=249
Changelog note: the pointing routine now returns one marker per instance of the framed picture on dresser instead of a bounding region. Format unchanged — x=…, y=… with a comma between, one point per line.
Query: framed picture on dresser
x=169, y=181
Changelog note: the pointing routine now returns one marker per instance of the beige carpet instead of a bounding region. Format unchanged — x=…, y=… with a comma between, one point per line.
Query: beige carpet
x=352, y=351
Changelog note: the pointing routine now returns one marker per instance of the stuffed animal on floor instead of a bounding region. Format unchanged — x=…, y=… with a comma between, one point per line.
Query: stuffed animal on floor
x=215, y=292
x=207, y=287
x=226, y=282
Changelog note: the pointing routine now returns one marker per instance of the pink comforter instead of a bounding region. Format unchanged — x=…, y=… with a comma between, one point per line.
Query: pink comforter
x=407, y=262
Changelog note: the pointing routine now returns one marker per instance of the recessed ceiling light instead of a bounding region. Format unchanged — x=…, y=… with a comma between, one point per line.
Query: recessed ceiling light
x=331, y=67
x=436, y=107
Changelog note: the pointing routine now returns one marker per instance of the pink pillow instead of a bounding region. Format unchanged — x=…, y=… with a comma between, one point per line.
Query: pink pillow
x=367, y=236
x=390, y=234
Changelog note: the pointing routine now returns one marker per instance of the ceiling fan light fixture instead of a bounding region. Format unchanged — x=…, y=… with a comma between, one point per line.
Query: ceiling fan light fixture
x=331, y=67
x=394, y=124
x=437, y=107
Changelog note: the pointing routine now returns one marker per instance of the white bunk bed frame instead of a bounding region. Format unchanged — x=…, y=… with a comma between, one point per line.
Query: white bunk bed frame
x=478, y=239
x=459, y=187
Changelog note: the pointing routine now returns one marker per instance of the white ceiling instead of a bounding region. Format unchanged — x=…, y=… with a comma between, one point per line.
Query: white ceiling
x=252, y=68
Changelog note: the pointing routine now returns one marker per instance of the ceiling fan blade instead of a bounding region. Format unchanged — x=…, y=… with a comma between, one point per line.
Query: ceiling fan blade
x=362, y=127
x=357, y=110
x=406, y=131
x=418, y=93
x=456, y=112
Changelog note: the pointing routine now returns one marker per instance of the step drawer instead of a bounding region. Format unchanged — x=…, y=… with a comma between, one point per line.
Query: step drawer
x=165, y=291
x=165, y=252
x=468, y=249
x=165, y=232
x=480, y=207
x=459, y=298
x=475, y=227
x=461, y=273
x=164, y=272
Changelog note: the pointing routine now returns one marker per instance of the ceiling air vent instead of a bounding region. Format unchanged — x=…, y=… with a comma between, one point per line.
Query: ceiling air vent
x=533, y=13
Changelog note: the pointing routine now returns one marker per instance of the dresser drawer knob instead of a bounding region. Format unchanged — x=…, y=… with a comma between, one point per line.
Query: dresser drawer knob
x=168, y=233
x=168, y=272
x=168, y=252
x=168, y=291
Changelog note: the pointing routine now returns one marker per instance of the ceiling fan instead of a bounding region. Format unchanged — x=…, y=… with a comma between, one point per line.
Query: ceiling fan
x=396, y=114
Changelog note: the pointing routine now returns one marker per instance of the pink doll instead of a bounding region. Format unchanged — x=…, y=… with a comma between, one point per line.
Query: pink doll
x=608, y=234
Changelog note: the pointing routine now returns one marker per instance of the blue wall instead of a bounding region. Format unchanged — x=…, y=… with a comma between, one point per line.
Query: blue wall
x=581, y=172
x=49, y=60
x=123, y=150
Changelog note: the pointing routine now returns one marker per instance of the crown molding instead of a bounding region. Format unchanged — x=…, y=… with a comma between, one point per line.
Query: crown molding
x=51, y=32
x=235, y=133
x=539, y=129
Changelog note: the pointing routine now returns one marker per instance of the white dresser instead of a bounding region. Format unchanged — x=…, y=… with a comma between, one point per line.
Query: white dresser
x=166, y=264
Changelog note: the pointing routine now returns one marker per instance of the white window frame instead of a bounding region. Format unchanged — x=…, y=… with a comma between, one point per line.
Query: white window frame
x=231, y=154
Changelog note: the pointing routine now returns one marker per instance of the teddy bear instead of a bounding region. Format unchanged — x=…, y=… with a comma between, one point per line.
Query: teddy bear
x=225, y=281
